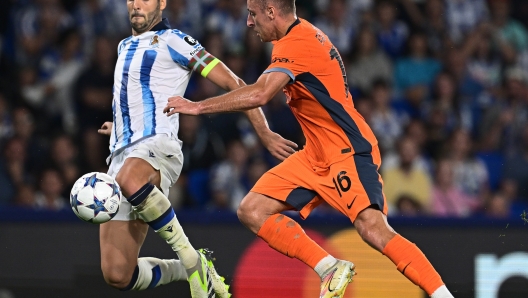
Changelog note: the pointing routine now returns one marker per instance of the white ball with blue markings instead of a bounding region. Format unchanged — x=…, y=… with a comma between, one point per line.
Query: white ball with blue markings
x=95, y=197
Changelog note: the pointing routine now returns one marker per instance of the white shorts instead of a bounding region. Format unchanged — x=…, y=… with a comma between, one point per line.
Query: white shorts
x=162, y=153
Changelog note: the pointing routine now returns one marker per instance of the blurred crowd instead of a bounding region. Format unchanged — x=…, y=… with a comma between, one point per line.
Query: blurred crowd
x=442, y=83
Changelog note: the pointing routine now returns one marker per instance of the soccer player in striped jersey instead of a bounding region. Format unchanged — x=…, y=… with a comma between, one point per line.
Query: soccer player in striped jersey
x=146, y=158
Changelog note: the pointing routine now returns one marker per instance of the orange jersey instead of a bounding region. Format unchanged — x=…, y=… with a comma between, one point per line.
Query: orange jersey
x=318, y=96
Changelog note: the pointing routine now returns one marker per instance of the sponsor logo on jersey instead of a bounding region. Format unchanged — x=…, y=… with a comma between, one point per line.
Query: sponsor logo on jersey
x=195, y=51
x=283, y=60
x=320, y=37
x=191, y=41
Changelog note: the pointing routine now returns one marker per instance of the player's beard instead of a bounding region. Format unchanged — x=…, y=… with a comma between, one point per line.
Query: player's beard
x=149, y=19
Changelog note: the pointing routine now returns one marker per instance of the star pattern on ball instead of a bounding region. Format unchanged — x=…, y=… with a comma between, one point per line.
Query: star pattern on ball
x=115, y=188
x=74, y=202
x=97, y=206
x=92, y=180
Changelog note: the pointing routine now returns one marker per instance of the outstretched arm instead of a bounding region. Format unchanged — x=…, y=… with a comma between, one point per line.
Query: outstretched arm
x=242, y=99
x=279, y=147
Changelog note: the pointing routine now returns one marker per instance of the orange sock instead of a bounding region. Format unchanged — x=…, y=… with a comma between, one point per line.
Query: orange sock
x=287, y=237
x=412, y=263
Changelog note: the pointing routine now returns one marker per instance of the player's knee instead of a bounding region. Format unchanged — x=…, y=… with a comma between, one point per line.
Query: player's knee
x=243, y=212
x=248, y=215
x=373, y=229
x=134, y=174
x=117, y=276
x=366, y=229
x=127, y=182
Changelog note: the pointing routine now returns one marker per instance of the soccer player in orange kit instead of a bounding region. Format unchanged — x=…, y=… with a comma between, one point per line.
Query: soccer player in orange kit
x=339, y=163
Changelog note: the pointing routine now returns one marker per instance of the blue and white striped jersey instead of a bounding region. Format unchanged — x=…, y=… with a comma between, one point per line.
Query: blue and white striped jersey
x=151, y=67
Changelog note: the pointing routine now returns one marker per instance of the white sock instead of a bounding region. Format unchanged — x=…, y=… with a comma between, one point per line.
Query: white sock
x=325, y=264
x=154, y=272
x=442, y=292
x=155, y=209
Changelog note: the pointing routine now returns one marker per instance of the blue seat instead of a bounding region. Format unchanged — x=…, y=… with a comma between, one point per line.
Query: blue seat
x=518, y=208
x=198, y=187
x=494, y=162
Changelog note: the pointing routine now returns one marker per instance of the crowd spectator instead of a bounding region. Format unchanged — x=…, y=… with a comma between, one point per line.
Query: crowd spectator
x=416, y=72
x=508, y=31
x=385, y=122
x=96, y=18
x=186, y=16
x=416, y=131
x=337, y=24
x=445, y=97
x=25, y=197
x=368, y=63
x=64, y=158
x=447, y=198
x=93, y=89
x=35, y=142
x=406, y=179
x=498, y=206
x=392, y=33
x=230, y=21
x=470, y=173
x=463, y=16
x=49, y=195
x=407, y=206
x=227, y=177
x=52, y=91
x=13, y=169
x=509, y=112
x=37, y=26
x=485, y=66
x=431, y=21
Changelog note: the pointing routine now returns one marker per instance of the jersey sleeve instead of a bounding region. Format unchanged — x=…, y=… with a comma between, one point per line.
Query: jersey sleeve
x=189, y=53
x=290, y=58
x=122, y=45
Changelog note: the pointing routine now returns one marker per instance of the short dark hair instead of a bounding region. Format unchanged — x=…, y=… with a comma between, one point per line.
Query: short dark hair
x=285, y=6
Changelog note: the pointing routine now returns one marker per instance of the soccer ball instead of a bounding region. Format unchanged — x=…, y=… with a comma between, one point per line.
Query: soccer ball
x=95, y=197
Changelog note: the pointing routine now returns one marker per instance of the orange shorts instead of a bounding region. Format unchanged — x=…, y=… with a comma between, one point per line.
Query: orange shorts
x=350, y=185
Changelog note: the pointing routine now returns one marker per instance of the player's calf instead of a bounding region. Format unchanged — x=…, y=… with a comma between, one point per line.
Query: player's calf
x=147, y=274
x=152, y=272
x=408, y=258
x=120, y=242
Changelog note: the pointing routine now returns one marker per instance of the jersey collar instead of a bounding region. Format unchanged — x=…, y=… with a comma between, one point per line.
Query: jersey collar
x=297, y=22
x=163, y=25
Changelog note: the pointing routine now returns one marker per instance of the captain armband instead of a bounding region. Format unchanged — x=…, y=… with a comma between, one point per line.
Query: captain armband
x=203, y=62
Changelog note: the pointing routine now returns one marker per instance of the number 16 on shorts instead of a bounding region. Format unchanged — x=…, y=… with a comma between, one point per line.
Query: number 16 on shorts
x=342, y=183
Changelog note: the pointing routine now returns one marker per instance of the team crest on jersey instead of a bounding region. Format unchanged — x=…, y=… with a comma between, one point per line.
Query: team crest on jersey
x=154, y=41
